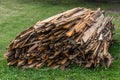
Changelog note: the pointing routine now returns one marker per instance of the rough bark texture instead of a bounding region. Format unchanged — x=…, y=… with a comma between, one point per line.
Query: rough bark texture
x=79, y=35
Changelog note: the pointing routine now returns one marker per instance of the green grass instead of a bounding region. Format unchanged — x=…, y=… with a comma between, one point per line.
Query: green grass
x=17, y=15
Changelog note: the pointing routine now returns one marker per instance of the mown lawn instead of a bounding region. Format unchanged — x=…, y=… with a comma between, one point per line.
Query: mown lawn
x=17, y=15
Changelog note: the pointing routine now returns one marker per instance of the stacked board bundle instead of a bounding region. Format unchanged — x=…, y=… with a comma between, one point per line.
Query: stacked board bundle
x=79, y=35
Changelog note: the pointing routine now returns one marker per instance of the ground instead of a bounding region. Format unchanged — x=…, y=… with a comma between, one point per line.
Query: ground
x=17, y=15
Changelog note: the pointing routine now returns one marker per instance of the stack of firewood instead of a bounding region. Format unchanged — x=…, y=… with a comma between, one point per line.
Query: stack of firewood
x=79, y=35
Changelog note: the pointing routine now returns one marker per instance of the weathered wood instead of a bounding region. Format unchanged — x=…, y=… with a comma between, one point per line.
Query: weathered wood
x=79, y=35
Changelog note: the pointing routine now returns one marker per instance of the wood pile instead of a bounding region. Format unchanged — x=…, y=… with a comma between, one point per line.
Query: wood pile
x=79, y=35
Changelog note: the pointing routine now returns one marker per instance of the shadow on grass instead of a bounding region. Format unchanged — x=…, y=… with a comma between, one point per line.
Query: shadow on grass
x=70, y=3
x=115, y=50
x=64, y=2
